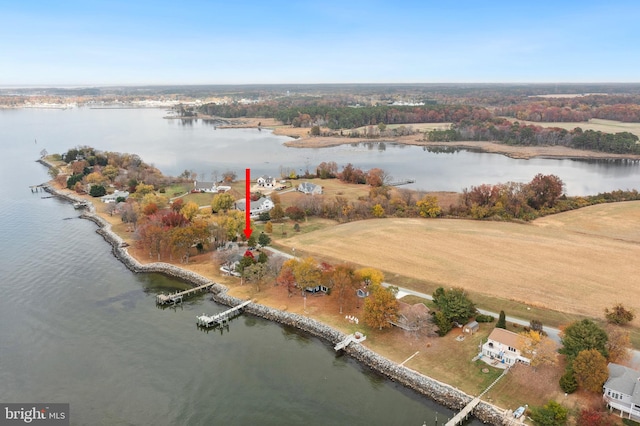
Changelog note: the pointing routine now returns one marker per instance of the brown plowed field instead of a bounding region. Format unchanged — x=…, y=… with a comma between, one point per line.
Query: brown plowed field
x=577, y=262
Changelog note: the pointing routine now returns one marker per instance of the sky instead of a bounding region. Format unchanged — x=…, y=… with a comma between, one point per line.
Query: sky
x=139, y=42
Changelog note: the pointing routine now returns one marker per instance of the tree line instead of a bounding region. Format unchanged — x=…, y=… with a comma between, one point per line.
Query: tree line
x=515, y=133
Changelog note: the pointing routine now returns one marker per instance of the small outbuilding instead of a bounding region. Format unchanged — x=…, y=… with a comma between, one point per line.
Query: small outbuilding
x=471, y=327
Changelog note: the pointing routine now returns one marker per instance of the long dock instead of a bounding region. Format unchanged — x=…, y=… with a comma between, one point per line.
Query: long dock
x=402, y=182
x=173, y=298
x=221, y=318
x=468, y=409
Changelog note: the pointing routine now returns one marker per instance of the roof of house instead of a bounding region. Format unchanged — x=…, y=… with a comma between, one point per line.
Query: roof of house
x=472, y=324
x=307, y=186
x=115, y=195
x=203, y=185
x=266, y=178
x=624, y=380
x=240, y=204
x=506, y=337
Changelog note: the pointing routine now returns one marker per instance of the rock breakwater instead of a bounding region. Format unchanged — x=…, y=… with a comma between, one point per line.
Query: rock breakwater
x=441, y=393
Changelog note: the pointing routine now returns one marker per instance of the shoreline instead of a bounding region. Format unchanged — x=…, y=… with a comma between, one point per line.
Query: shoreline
x=300, y=138
x=443, y=394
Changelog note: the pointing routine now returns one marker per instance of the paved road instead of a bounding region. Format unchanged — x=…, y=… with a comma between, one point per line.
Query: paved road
x=553, y=333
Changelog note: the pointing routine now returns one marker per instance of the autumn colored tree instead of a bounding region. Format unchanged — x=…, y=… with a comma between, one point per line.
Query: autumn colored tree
x=190, y=210
x=177, y=205
x=172, y=219
x=222, y=202
x=377, y=211
x=294, y=213
x=428, y=206
x=376, y=177
x=255, y=274
x=618, y=344
x=590, y=370
x=142, y=190
x=286, y=277
x=540, y=349
x=95, y=178
x=544, y=190
x=268, y=227
x=277, y=214
x=110, y=172
x=229, y=176
x=369, y=276
x=343, y=283
x=380, y=307
x=149, y=209
x=618, y=314
x=591, y=416
x=307, y=273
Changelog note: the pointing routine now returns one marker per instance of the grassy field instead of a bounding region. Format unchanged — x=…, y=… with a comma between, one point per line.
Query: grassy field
x=606, y=126
x=576, y=263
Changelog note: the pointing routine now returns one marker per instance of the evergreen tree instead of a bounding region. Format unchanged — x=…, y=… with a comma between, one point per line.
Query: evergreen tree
x=502, y=321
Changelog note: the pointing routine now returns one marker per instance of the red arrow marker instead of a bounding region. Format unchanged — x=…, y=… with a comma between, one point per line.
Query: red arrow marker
x=247, y=206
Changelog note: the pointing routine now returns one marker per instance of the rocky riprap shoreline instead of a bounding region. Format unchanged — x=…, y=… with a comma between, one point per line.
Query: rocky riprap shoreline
x=441, y=393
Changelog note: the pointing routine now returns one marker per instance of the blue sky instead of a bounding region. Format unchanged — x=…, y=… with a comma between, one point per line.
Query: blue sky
x=246, y=42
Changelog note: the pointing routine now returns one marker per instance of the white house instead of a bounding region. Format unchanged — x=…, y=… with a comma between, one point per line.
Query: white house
x=263, y=205
x=504, y=347
x=266, y=182
x=310, y=188
x=111, y=198
x=209, y=187
x=622, y=391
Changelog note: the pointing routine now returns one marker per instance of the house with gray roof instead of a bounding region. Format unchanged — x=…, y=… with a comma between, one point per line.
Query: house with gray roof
x=263, y=205
x=112, y=198
x=266, y=181
x=310, y=188
x=622, y=391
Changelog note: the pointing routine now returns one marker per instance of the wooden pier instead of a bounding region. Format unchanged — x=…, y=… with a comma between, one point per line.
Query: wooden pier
x=174, y=298
x=402, y=182
x=221, y=318
x=356, y=337
x=37, y=188
x=468, y=409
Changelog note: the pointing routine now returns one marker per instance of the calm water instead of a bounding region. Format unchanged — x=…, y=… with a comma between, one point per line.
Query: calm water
x=174, y=145
x=77, y=327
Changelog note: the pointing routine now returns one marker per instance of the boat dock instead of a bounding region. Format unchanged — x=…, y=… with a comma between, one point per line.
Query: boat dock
x=468, y=409
x=221, y=318
x=37, y=188
x=402, y=182
x=174, y=298
x=356, y=337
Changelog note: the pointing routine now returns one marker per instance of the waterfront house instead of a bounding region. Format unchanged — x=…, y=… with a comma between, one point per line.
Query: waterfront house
x=310, y=188
x=266, y=182
x=622, y=391
x=203, y=186
x=209, y=187
x=504, y=347
x=263, y=205
x=112, y=198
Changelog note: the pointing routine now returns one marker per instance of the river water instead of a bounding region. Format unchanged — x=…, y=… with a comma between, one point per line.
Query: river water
x=77, y=327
